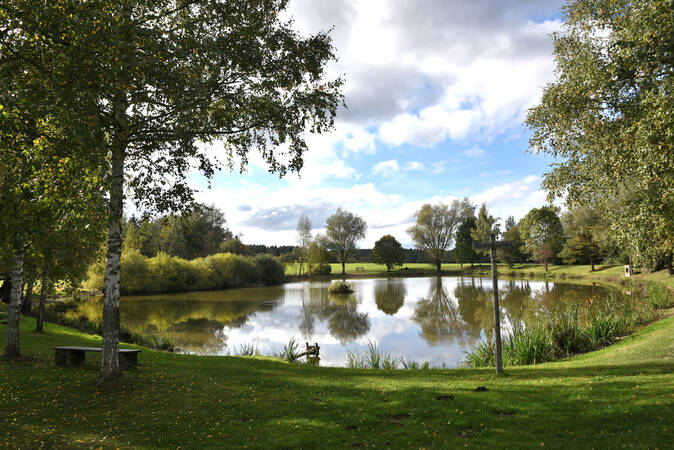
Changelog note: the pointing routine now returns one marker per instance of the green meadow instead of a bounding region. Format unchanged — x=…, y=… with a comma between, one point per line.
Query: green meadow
x=619, y=396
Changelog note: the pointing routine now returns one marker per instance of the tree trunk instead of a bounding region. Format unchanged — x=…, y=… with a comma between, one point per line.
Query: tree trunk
x=44, y=288
x=670, y=269
x=110, y=369
x=438, y=265
x=12, y=349
x=591, y=264
x=546, y=265
x=27, y=303
x=343, y=268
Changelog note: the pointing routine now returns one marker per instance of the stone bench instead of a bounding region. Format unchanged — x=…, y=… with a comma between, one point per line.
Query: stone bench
x=360, y=269
x=74, y=356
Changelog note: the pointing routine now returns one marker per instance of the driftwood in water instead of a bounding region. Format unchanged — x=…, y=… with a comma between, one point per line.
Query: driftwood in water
x=312, y=353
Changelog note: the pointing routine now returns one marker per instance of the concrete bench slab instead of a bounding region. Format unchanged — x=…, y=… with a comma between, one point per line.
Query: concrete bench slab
x=74, y=356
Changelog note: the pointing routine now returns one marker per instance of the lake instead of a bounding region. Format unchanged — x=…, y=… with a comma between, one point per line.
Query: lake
x=420, y=319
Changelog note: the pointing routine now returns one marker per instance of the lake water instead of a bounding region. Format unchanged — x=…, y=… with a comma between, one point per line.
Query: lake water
x=421, y=319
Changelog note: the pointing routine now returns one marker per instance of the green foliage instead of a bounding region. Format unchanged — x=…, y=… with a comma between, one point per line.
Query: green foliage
x=319, y=255
x=434, y=229
x=463, y=248
x=290, y=351
x=164, y=273
x=269, y=269
x=235, y=246
x=388, y=251
x=585, y=229
x=527, y=346
x=303, y=241
x=343, y=229
x=607, y=120
x=321, y=269
x=340, y=287
x=564, y=333
x=542, y=233
x=511, y=255
x=485, y=226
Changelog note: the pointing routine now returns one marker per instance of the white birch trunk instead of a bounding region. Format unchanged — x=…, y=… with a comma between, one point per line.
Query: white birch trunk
x=110, y=368
x=12, y=349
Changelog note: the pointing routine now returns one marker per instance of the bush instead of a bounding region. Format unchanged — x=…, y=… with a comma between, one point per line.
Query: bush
x=321, y=269
x=340, y=287
x=232, y=270
x=135, y=272
x=270, y=270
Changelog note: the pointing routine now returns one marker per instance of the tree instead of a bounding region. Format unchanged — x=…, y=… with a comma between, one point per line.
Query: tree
x=167, y=76
x=542, y=234
x=434, y=229
x=192, y=234
x=463, y=249
x=607, y=119
x=387, y=250
x=511, y=255
x=485, y=226
x=343, y=229
x=582, y=225
x=303, y=240
x=319, y=256
x=235, y=246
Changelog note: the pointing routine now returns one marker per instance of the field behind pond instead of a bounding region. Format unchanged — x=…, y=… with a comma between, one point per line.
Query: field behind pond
x=622, y=395
x=607, y=273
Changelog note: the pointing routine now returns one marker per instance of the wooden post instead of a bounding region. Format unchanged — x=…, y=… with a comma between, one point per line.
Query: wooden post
x=492, y=245
x=497, y=315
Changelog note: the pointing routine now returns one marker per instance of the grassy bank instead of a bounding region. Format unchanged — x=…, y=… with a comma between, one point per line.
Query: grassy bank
x=602, y=273
x=619, y=396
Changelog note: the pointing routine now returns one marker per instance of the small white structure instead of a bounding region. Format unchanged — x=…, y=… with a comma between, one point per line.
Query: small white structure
x=628, y=270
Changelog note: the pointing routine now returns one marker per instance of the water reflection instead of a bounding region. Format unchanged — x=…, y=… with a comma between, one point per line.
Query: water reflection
x=433, y=318
x=389, y=295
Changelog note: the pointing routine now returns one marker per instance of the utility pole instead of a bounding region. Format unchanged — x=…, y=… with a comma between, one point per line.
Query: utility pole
x=492, y=245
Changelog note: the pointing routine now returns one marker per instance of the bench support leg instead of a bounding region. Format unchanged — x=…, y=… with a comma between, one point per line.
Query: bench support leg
x=128, y=360
x=69, y=357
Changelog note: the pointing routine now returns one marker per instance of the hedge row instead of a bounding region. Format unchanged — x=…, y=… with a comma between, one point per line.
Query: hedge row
x=164, y=273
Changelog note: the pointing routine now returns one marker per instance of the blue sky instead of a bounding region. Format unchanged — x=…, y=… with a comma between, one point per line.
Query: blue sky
x=436, y=94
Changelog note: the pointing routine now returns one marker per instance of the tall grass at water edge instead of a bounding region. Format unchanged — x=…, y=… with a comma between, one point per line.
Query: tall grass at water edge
x=565, y=333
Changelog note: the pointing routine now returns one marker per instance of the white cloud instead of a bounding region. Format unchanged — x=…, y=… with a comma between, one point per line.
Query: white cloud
x=414, y=165
x=385, y=167
x=475, y=152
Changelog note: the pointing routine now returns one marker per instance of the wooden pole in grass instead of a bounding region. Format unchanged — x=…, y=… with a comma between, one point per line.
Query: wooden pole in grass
x=492, y=246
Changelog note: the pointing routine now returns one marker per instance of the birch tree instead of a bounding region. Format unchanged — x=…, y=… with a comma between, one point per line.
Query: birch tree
x=165, y=79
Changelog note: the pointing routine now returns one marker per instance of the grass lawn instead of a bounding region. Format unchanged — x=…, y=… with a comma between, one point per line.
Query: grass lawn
x=619, y=396
x=605, y=273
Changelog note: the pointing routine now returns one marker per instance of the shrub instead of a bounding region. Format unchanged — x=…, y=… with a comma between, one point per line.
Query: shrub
x=321, y=269
x=135, y=272
x=269, y=269
x=166, y=273
x=232, y=270
x=340, y=287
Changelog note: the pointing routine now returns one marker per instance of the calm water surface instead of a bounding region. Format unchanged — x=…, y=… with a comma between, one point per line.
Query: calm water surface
x=422, y=319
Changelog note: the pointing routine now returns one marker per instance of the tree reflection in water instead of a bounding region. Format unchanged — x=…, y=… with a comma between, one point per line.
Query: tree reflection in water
x=389, y=295
x=344, y=320
x=438, y=315
x=340, y=311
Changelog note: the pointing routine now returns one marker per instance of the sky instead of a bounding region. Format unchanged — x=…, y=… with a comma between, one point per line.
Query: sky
x=436, y=95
